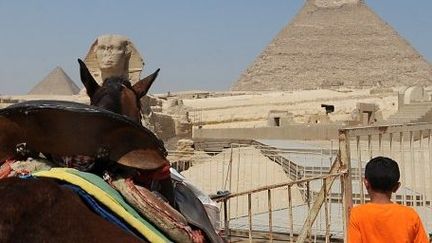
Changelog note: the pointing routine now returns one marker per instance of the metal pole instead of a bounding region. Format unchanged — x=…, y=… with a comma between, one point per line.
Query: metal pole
x=250, y=216
x=270, y=212
x=290, y=215
x=391, y=144
x=370, y=146
x=401, y=147
x=360, y=169
x=413, y=175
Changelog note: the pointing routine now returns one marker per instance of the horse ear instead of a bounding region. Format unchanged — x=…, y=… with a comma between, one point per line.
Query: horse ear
x=143, y=86
x=87, y=79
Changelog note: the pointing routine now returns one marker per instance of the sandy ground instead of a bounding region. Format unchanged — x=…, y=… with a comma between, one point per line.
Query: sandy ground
x=248, y=170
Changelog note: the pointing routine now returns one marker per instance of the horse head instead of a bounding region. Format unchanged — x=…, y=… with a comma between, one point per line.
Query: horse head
x=117, y=94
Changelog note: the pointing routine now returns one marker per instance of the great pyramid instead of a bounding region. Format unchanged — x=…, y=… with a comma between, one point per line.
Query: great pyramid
x=57, y=82
x=334, y=43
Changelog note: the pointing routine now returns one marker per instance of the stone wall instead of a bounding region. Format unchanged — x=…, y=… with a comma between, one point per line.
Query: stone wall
x=295, y=132
x=163, y=126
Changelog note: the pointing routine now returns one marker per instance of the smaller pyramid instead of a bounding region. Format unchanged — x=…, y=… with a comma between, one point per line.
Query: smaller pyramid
x=57, y=82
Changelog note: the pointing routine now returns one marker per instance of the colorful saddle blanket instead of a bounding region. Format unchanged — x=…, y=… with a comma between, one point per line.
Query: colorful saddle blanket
x=99, y=209
x=100, y=190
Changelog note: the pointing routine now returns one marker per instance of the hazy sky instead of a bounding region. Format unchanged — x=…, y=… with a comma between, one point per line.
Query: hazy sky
x=199, y=45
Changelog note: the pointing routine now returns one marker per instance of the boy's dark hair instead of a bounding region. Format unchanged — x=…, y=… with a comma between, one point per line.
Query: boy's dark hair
x=382, y=173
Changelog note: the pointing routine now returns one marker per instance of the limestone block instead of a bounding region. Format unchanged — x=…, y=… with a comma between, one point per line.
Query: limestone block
x=164, y=126
x=185, y=145
x=170, y=103
x=334, y=3
x=319, y=119
x=156, y=108
x=183, y=128
x=379, y=116
x=279, y=118
x=415, y=94
x=381, y=90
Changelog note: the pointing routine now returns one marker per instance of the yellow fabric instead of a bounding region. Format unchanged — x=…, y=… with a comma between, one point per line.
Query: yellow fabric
x=104, y=198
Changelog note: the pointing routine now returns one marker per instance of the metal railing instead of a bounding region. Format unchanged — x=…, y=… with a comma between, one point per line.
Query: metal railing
x=246, y=166
x=296, y=221
x=314, y=201
x=255, y=196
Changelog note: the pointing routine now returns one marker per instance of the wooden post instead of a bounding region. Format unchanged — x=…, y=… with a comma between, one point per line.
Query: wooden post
x=326, y=214
x=319, y=201
x=346, y=180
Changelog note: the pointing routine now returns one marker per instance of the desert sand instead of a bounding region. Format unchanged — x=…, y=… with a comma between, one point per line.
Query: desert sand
x=239, y=170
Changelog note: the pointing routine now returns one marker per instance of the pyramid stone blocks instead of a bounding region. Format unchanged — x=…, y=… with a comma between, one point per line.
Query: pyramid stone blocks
x=334, y=43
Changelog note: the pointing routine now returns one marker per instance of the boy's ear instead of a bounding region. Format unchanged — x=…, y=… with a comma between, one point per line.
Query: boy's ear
x=396, y=187
x=366, y=183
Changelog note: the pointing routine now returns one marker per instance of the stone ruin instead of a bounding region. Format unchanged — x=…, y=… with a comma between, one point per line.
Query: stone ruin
x=415, y=94
x=366, y=114
x=279, y=118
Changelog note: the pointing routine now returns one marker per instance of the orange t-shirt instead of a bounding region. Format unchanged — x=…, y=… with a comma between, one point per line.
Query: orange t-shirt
x=385, y=223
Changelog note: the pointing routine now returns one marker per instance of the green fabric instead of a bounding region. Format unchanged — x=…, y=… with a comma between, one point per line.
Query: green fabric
x=99, y=182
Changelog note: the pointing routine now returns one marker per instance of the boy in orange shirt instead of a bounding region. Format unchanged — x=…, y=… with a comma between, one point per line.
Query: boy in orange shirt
x=381, y=220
